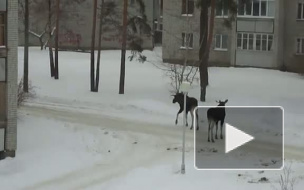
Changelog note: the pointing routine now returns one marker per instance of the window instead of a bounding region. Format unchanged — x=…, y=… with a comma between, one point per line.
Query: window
x=221, y=42
x=187, y=9
x=187, y=40
x=256, y=8
x=2, y=29
x=300, y=10
x=132, y=2
x=161, y=8
x=251, y=41
x=221, y=8
x=2, y=69
x=300, y=46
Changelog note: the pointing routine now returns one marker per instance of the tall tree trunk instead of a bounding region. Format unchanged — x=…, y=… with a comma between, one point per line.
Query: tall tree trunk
x=26, y=47
x=123, y=49
x=92, y=74
x=99, y=46
x=203, y=51
x=210, y=34
x=57, y=39
x=52, y=67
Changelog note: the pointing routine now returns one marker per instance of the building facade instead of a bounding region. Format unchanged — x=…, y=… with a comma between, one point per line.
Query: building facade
x=265, y=34
x=8, y=77
x=76, y=25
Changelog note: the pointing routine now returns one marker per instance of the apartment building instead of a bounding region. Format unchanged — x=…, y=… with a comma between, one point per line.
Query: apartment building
x=76, y=25
x=266, y=34
x=8, y=77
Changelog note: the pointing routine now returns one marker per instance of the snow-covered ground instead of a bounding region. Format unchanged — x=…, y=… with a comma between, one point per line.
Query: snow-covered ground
x=71, y=138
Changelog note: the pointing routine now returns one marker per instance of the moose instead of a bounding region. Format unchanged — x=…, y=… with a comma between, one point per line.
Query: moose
x=191, y=104
x=214, y=115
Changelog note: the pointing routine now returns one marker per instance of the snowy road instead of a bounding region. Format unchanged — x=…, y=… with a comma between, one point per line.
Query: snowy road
x=115, y=165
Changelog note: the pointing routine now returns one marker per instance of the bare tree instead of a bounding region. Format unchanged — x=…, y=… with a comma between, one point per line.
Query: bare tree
x=123, y=49
x=99, y=44
x=206, y=36
x=26, y=47
x=92, y=73
x=50, y=34
x=57, y=39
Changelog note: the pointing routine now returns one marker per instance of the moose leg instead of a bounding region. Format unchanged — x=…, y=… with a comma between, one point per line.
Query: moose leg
x=212, y=139
x=180, y=111
x=216, y=127
x=192, y=119
x=186, y=118
x=222, y=123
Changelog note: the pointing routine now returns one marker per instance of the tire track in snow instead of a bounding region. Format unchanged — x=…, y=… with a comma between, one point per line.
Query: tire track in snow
x=125, y=161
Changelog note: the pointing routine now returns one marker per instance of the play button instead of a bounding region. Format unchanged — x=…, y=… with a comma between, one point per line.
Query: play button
x=235, y=138
x=251, y=138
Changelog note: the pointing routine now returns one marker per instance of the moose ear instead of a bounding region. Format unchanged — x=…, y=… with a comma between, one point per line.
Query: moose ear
x=226, y=100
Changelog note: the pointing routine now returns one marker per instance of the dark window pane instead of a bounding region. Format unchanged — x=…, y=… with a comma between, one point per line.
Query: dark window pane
x=183, y=40
x=184, y=6
x=270, y=40
x=239, y=41
x=2, y=30
x=298, y=45
x=302, y=46
x=245, y=41
x=219, y=8
x=161, y=7
x=300, y=10
x=258, y=42
x=248, y=7
x=191, y=40
x=263, y=8
x=241, y=7
x=217, y=41
x=190, y=6
x=225, y=7
x=225, y=41
x=264, y=42
x=256, y=7
x=251, y=41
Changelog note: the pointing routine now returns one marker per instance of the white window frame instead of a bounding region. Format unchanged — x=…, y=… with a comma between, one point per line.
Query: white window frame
x=260, y=10
x=221, y=42
x=299, y=47
x=254, y=41
x=302, y=8
x=184, y=40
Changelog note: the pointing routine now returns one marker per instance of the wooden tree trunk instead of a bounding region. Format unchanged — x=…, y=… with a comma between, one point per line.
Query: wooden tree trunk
x=210, y=34
x=57, y=39
x=92, y=74
x=123, y=49
x=52, y=66
x=26, y=47
x=203, y=51
x=99, y=47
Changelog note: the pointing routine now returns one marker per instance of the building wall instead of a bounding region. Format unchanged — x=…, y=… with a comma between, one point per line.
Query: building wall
x=293, y=29
x=75, y=30
x=174, y=24
x=284, y=27
x=8, y=86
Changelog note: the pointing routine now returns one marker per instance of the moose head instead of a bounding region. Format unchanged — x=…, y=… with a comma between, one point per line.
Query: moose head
x=222, y=103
